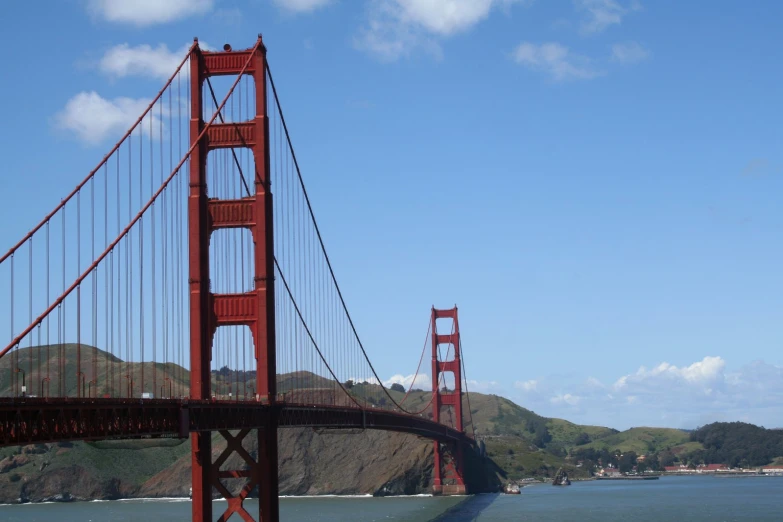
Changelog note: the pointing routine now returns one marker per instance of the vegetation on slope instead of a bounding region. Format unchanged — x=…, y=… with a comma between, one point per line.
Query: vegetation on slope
x=519, y=442
x=640, y=440
x=736, y=444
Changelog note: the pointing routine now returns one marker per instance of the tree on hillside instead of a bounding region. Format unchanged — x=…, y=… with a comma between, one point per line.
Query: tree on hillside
x=398, y=387
x=737, y=444
x=588, y=465
x=652, y=462
x=627, y=461
x=348, y=384
x=541, y=436
x=666, y=458
x=581, y=439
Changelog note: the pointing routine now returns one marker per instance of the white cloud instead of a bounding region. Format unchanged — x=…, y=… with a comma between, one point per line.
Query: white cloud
x=554, y=59
x=369, y=380
x=567, y=398
x=94, y=119
x=664, y=395
x=422, y=381
x=143, y=60
x=447, y=17
x=396, y=27
x=301, y=6
x=148, y=12
x=493, y=387
x=594, y=383
x=709, y=369
x=530, y=385
x=629, y=52
x=601, y=14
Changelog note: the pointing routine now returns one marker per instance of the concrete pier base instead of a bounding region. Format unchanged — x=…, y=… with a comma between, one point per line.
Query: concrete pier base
x=450, y=489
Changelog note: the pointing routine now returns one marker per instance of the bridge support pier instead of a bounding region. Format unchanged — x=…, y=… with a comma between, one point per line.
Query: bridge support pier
x=269, y=486
x=450, y=458
x=201, y=481
x=260, y=473
x=254, y=309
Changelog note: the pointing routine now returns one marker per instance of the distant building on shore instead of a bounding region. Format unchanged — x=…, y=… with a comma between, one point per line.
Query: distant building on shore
x=701, y=468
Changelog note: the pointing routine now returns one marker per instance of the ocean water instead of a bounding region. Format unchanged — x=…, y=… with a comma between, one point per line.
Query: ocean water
x=670, y=498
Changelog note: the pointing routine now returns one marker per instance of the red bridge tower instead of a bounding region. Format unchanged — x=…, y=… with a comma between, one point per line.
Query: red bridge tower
x=255, y=309
x=453, y=483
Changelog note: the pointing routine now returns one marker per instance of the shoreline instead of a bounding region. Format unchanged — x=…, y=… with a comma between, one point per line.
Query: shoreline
x=188, y=499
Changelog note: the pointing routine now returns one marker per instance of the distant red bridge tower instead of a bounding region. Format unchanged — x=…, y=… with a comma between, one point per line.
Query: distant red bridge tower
x=453, y=481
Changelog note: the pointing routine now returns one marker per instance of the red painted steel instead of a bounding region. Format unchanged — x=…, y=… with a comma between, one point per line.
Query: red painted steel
x=232, y=214
x=224, y=135
x=453, y=398
x=39, y=420
x=31, y=420
x=254, y=309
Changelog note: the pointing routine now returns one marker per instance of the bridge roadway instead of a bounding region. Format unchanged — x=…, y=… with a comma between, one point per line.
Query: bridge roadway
x=38, y=420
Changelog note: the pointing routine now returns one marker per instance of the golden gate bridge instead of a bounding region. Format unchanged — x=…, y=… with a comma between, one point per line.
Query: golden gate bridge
x=214, y=304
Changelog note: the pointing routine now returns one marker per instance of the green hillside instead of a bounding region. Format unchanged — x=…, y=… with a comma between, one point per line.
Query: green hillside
x=519, y=441
x=568, y=433
x=641, y=440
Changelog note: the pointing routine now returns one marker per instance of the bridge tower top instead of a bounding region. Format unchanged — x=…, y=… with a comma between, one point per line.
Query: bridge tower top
x=442, y=396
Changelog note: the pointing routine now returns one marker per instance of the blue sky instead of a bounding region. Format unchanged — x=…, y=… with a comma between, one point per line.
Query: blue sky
x=596, y=183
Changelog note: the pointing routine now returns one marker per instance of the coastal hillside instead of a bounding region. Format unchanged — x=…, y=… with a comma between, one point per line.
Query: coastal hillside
x=519, y=443
x=736, y=444
x=642, y=440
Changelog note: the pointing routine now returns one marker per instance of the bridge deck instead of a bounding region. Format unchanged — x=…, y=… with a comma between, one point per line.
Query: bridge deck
x=38, y=420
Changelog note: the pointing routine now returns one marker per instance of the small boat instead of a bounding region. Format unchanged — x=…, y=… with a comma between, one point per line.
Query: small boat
x=561, y=478
x=512, y=489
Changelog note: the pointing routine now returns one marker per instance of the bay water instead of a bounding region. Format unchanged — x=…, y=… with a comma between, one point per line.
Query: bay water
x=692, y=498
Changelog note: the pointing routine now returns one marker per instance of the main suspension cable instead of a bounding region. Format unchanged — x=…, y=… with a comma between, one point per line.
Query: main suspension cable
x=321, y=242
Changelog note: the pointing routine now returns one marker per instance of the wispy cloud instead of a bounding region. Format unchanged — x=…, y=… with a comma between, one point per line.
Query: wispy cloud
x=629, y=52
x=602, y=14
x=555, y=60
x=759, y=167
x=566, y=398
x=142, y=60
x=489, y=387
x=301, y=6
x=147, y=12
x=395, y=28
x=664, y=394
x=530, y=385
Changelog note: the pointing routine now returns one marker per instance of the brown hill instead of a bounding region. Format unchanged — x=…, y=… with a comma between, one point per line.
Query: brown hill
x=369, y=462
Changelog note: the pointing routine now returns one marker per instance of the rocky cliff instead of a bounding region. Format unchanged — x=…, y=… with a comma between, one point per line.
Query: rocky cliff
x=370, y=462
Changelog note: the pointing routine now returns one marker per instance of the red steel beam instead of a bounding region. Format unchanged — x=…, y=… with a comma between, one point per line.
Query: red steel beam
x=453, y=399
x=39, y=420
x=254, y=309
